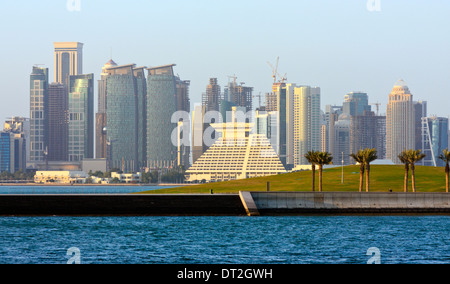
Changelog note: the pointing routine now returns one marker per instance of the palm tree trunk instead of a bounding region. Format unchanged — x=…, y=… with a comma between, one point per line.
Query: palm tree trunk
x=313, y=177
x=447, y=172
x=367, y=178
x=413, y=177
x=361, y=177
x=320, y=178
x=406, y=178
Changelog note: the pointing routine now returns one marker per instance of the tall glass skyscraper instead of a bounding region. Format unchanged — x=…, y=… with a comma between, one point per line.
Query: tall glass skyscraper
x=161, y=105
x=38, y=114
x=125, y=117
x=435, y=139
x=58, y=122
x=81, y=117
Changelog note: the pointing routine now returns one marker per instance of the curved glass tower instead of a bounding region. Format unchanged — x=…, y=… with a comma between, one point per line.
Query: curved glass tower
x=161, y=105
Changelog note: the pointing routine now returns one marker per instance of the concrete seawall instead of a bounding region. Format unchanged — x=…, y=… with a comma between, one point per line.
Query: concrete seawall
x=121, y=205
x=245, y=203
x=270, y=203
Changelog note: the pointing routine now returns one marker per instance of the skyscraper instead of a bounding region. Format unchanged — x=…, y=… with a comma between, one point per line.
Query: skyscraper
x=38, y=114
x=161, y=105
x=125, y=116
x=100, y=116
x=356, y=103
x=307, y=116
x=435, y=139
x=400, y=122
x=68, y=60
x=212, y=97
x=58, y=124
x=81, y=117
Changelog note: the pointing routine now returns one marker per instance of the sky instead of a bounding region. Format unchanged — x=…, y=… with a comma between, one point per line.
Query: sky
x=339, y=46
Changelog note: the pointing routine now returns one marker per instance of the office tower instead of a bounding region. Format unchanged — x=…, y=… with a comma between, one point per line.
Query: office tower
x=198, y=129
x=38, y=115
x=12, y=152
x=435, y=140
x=212, y=97
x=100, y=116
x=183, y=105
x=400, y=123
x=225, y=110
x=368, y=131
x=341, y=144
x=420, y=111
x=356, y=103
x=58, y=124
x=331, y=116
x=279, y=89
x=19, y=125
x=239, y=153
x=81, y=117
x=307, y=121
x=68, y=60
x=126, y=117
x=161, y=105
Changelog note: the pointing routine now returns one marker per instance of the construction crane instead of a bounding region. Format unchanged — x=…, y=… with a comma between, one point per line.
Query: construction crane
x=259, y=97
x=378, y=107
x=275, y=73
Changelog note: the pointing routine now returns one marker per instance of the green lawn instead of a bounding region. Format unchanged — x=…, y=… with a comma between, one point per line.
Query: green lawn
x=382, y=178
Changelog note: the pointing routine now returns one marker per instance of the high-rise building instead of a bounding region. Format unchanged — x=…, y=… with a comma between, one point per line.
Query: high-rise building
x=198, y=129
x=212, y=97
x=420, y=111
x=435, y=139
x=239, y=95
x=81, y=117
x=356, y=103
x=368, y=131
x=400, y=122
x=183, y=105
x=271, y=102
x=100, y=116
x=68, y=60
x=307, y=122
x=279, y=89
x=58, y=124
x=341, y=136
x=38, y=115
x=126, y=117
x=12, y=152
x=19, y=125
x=161, y=105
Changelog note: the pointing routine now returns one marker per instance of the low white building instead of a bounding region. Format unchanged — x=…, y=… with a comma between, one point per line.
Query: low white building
x=127, y=178
x=60, y=177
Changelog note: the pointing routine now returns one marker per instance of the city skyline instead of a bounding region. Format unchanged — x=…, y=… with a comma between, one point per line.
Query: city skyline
x=385, y=51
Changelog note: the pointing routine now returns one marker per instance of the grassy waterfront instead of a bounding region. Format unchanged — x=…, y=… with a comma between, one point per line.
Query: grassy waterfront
x=382, y=178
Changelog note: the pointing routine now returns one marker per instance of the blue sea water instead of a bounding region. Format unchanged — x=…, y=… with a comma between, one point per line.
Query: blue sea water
x=110, y=189
x=225, y=240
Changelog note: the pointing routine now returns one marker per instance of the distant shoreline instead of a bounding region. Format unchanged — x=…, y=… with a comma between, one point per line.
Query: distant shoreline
x=92, y=184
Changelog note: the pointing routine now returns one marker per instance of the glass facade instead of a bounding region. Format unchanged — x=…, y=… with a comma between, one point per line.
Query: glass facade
x=81, y=117
x=38, y=113
x=125, y=117
x=439, y=137
x=5, y=152
x=161, y=105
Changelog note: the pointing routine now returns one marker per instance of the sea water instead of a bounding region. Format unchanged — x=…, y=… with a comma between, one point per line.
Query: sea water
x=225, y=240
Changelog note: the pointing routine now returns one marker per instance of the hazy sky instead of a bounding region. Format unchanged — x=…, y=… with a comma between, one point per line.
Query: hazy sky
x=340, y=46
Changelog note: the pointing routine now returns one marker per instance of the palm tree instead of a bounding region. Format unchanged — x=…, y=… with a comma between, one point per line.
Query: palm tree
x=445, y=156
x=370, y=155
x=414, y=156
x=403, y=157
x=311, y=157
x=323, y=158
x=359, y=158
